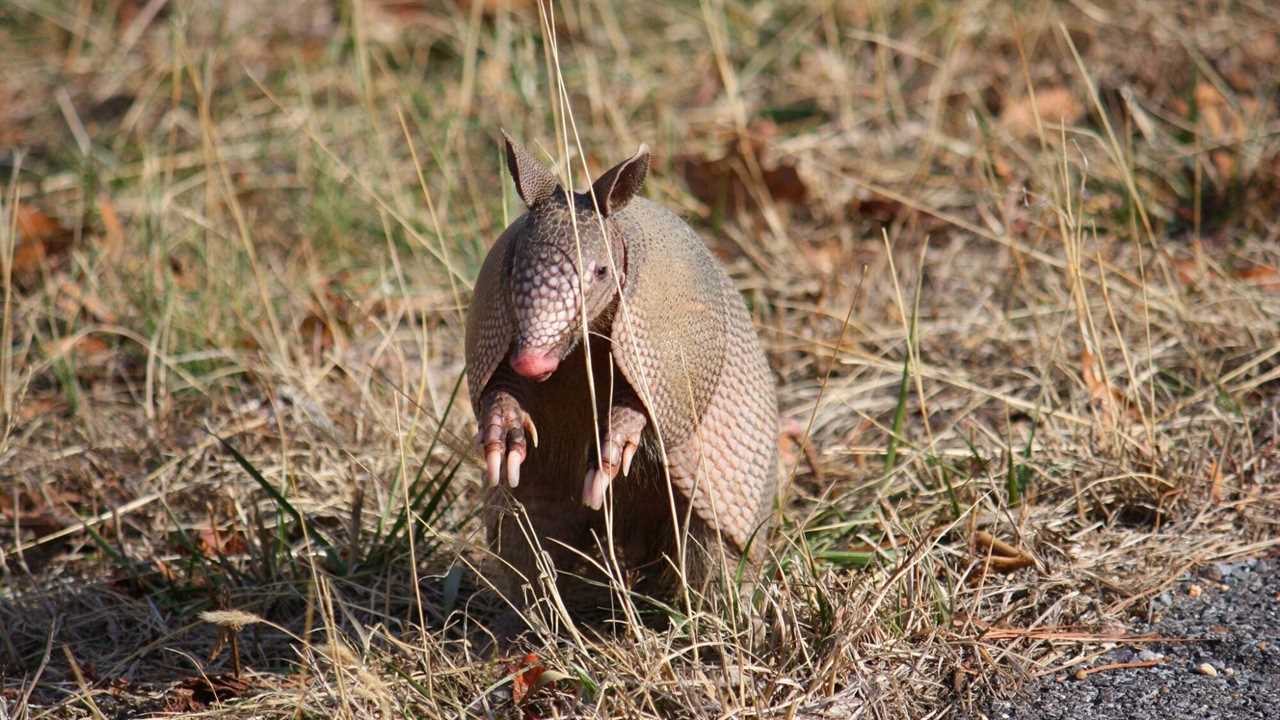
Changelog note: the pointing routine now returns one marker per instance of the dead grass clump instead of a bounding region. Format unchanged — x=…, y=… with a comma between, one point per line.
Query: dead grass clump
x=1015, y=268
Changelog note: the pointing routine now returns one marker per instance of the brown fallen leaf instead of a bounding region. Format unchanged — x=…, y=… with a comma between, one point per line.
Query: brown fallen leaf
x=40, y=513
x=793, y=438
x=196, y=693
x=85, y=347
x=730, y=184
x=328, y=319
x=525, y=673
x=1219, y=122
x=38, y=523
x=1264, y=277
x=88, y=301
x=88, y=354
x=34, y=407
x=113, y=240
x=316, y=335
x=1188, y=270
x=211, y=541
x=493, y=7
x=1112, y=405
x=1263, y=47
x=1215, y=481
x=41, y=239
x=1057, y=105
x=984, y=541
x=1008, y=565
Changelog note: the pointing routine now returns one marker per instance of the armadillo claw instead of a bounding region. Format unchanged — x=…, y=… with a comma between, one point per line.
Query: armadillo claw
x=626, y=424
x=628, y=454
x=514, y=458
x=493, y=464
x=618, y=452
x=593, y=488
x=531, y=429
x=502, y=435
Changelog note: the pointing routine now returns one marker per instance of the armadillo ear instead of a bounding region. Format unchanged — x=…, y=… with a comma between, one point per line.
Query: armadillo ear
x=615, y=188
x=533, y=181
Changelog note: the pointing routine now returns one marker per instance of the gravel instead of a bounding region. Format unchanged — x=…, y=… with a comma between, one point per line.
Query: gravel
x=1227, y=667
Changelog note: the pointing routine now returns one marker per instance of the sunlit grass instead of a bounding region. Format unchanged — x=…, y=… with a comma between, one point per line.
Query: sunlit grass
x=1014, y=267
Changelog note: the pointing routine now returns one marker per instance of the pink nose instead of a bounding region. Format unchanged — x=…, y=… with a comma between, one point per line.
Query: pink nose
x=534, y=365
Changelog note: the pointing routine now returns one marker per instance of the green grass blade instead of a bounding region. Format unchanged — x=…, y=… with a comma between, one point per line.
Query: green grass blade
x=276, y=496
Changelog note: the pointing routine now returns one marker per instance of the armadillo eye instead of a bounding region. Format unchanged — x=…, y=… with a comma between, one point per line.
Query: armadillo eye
x=601, y=271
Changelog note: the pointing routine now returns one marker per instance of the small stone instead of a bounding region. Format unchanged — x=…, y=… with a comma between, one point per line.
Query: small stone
x=1207, y=670
x=1195, y=591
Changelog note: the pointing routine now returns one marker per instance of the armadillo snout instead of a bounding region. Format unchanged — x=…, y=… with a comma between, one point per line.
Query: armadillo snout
x=544, y=301
x=534, y=365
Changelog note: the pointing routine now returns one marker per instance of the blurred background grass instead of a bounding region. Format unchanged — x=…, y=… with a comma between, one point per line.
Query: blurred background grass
x=1015, y=266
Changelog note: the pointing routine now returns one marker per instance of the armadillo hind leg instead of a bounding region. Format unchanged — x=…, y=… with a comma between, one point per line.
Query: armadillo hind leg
x=706, y=564
x=520, y=534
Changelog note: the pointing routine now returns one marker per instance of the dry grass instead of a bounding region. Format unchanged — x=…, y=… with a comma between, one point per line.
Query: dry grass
x=1053, y=325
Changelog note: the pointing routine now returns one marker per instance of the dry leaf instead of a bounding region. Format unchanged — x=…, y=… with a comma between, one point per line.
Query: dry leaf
x=41, y=238
x=88, y=301
x=329, y=318
x=1264, y=277
x=83, y=349
x=493, y=7
x=1211, y=105
x=39, y=522
x=1215, y=481
x=32, y=408
x=34, y=224
x=1187, y=270
x=213, y=542
x=316, y=335
x=1057, y=105
x=729, y=182
x=1111, y=404
x=195, y=693
x=1220, y=123
x=113, y=241
x=1264, y=47
x=525, y=676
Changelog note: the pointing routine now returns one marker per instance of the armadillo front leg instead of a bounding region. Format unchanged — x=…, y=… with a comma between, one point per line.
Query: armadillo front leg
x=626, y=423
x=505, y=431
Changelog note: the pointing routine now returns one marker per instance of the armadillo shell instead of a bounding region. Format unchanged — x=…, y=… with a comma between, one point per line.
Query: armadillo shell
x=490, y=324
x=684, y=341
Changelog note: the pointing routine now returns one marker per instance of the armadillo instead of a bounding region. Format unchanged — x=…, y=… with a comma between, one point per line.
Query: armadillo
x=611, y=361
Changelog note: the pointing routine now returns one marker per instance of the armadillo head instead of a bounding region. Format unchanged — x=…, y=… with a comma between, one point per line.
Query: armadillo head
x=567, y=262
